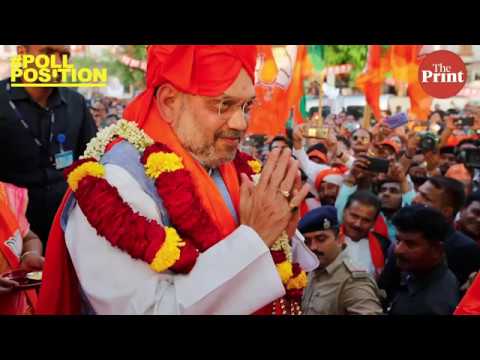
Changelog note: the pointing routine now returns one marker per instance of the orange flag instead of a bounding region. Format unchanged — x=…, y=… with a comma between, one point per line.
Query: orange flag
x=267, y=116
x=404, y=61
x=420, y=101
x=303, y=69
x=278, y=90
x=371, y=80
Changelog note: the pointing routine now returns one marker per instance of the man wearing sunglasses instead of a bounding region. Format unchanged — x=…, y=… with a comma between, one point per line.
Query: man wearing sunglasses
x=361, y=139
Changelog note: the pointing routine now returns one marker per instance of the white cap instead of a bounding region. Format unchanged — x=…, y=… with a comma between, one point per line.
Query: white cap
x=333, y=179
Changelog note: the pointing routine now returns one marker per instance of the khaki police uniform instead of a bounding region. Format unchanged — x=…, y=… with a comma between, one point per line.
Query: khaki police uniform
x=342, y=288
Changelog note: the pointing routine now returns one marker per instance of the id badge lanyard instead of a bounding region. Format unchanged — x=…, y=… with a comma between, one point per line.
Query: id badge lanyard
x=63, y=158
x=27, y=127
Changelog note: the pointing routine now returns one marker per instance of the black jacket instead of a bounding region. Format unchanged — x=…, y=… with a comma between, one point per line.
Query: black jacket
x=435, y=293
x=462, y=257
x=24, y=163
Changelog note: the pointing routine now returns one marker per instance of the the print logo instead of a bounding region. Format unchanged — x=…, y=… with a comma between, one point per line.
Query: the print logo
x=442, y=74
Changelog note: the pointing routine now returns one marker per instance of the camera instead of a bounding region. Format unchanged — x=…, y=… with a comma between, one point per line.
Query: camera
x=428, y=141
x=465, y=121
x=472, y=158
x=316, y=132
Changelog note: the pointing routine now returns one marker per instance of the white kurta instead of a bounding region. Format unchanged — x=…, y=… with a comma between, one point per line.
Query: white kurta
x=359, y=252
x=235, y=276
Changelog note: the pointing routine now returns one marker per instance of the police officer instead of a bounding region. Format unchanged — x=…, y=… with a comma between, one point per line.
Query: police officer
x=337, y=286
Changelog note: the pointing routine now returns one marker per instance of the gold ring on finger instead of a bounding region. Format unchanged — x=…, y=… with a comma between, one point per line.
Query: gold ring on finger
x=285, y=193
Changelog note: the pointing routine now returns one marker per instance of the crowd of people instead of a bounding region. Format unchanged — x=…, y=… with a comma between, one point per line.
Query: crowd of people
x=164, y=215
x=401, y=201
x=106, y=110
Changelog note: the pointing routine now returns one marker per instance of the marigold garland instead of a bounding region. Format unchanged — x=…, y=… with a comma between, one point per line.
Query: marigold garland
x=161, y=162
x=285, y=271
x=298, y=282
x=255, y=166
x=89, y=168
x=178, y=193
x=169, y=253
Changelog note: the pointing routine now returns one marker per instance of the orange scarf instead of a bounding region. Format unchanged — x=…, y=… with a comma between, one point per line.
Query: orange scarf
x=376, y=252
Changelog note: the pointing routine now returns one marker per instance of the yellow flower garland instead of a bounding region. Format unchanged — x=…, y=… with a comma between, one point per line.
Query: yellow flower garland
x=90, y=168
x=285, y=271
x=169, y=253
x=255, y=166
x=160, y=162
x=298, y=282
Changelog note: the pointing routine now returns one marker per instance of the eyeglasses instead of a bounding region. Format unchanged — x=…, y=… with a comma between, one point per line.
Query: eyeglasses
x=228, y=107
x=359, y=138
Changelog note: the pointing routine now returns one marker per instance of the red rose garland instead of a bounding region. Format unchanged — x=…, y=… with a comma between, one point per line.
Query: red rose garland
x=178, y=193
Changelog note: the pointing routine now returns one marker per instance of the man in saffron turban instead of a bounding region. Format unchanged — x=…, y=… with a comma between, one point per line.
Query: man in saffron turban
x=164, y=214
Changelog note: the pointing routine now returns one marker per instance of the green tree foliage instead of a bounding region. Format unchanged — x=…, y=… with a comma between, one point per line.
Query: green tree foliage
x=317, y=56
x=128, y=76
x=347, y=54
x=132, y=79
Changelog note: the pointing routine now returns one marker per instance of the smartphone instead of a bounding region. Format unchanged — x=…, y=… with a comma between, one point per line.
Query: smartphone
x=316, y=133
x=377, y=165
x=396, y=120
x=472, y=158
x=465, y=121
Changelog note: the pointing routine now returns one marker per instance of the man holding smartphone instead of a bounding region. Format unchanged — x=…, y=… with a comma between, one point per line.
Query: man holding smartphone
x=366, y=177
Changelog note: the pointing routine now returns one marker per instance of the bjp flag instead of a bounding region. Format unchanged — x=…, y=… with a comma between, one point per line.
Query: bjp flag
x=265, y=116
x=302, y=69
x=274, y=95
x=372, y=78
x=404, y=64
x=420, y=101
